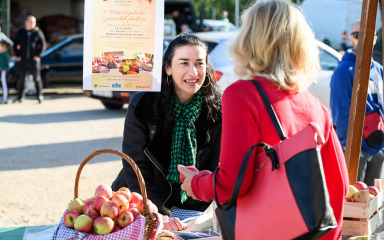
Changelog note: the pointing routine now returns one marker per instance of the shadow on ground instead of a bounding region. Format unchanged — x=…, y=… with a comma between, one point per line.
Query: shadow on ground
x=64, y=116
x=57, y=155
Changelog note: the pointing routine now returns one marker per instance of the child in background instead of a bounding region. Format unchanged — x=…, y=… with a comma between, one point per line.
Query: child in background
x=5, y=57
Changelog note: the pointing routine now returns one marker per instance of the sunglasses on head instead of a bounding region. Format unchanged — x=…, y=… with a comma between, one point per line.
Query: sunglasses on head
x=355, y=35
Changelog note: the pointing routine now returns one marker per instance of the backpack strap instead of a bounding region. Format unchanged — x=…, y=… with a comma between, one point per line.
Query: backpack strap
x=271, y=110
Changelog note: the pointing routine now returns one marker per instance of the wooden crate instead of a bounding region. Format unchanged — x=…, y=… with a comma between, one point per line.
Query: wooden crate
x=363, y=218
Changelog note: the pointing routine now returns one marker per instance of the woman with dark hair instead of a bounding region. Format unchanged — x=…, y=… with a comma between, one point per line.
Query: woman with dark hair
x=179, y=125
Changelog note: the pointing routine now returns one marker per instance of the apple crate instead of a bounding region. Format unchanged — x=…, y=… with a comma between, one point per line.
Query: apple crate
x=363, y=218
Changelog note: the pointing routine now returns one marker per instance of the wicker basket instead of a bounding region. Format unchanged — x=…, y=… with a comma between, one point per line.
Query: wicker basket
x=151, y=219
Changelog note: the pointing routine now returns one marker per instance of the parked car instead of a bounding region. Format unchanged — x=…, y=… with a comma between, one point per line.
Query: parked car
x=216, y=25
x=61, y=64
x=219, y=56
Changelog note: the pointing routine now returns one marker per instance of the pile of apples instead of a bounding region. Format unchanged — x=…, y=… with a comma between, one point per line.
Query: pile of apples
x=354, y=192
x=106, y=212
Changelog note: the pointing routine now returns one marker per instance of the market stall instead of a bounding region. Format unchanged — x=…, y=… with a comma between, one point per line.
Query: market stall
x=365, y=217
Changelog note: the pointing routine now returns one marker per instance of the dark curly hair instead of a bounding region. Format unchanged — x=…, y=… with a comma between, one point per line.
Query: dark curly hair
x=211, y=93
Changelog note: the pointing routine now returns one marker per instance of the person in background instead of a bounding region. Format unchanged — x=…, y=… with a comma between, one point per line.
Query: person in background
x=179, y=125
x=29, y=46
x=5, y=57
x=179, y=18
x=285, y=61
x=185, y=28
x=224, y=16
x=371, y=155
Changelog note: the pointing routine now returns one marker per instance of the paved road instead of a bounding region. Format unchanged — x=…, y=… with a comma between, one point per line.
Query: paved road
x=41, y=147
x=64, y=128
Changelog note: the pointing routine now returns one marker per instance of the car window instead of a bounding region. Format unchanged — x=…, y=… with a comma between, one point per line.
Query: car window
x=73, y=49
x=327, y=60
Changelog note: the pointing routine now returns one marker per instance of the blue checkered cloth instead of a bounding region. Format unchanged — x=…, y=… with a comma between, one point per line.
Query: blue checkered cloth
x=184, y=214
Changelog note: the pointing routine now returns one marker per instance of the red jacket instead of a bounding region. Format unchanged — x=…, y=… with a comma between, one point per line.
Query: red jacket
x=246, y=122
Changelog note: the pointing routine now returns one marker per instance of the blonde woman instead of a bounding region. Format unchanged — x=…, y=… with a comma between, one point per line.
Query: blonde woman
x=275, y=47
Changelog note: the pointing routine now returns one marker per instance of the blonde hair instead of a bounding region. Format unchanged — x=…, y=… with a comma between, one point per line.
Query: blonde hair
x=276, y=42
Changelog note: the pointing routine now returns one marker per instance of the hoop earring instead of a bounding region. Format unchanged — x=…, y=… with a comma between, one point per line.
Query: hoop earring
x=168, y=82
x=209, y=81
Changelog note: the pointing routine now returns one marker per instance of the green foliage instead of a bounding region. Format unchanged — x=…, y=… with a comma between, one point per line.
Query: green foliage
x=222, y=5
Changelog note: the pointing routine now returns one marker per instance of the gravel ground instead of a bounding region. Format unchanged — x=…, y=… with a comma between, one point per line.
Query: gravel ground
x=41, y=148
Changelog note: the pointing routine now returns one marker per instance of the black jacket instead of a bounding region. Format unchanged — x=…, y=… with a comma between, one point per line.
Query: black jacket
x=37, y=44
x=149, y=145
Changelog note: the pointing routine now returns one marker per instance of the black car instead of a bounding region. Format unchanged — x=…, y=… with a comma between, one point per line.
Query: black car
x=61, y=64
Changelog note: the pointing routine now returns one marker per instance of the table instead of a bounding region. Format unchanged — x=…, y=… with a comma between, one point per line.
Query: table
x=43, y=232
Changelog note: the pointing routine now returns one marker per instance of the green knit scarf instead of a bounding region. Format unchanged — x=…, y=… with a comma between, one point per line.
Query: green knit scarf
x=184, y=144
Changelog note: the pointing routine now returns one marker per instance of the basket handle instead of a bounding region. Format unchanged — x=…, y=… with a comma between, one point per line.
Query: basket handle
x=126, y=158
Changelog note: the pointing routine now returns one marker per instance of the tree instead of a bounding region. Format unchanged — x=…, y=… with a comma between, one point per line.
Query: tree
x=221, y=5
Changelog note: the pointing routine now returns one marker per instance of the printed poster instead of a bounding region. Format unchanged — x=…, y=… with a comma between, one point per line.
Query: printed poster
x=123, y=45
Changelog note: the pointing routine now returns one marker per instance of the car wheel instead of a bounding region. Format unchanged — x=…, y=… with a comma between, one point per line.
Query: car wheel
x=112, y=106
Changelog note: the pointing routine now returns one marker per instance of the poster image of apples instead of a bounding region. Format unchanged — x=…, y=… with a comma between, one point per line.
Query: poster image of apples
x=123, y=45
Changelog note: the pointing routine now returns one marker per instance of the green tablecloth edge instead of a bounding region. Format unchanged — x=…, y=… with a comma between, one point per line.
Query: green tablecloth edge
x=17, y=233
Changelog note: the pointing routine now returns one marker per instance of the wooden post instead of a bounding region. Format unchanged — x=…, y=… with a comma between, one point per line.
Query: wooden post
x=360, y=87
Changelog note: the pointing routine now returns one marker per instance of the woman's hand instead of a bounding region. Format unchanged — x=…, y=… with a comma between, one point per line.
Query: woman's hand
x=173, y=224
x=186, y=185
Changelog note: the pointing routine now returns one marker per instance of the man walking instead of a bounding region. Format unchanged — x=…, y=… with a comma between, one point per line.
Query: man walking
x=29, y=45
x=372, y=154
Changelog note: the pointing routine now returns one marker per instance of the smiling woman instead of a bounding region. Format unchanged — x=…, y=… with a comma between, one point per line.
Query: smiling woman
x=179, y=125
x=188, y=71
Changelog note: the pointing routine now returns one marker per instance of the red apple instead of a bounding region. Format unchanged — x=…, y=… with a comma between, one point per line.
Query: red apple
x=121, y=201
x=360, y=185
x=349, y=200
x=116, y=228
x=109, y=209
x=84, y=223
x=192, y=168
x=140, y=206
x=98, y=202
x=70, y=217
x=103, y=225
x=124, y=189
x=88, y=205
x=132, y=205
x=77, y=205
x=104, y=190
x=92, y=213
x=135, y=197
x=373, y=190
x=125, y=218
x=135, y=68
x=126, y=194
x=371, y=196
x=134, y=212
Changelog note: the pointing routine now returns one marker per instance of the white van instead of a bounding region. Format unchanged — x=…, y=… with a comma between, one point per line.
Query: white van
x=331, y=20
